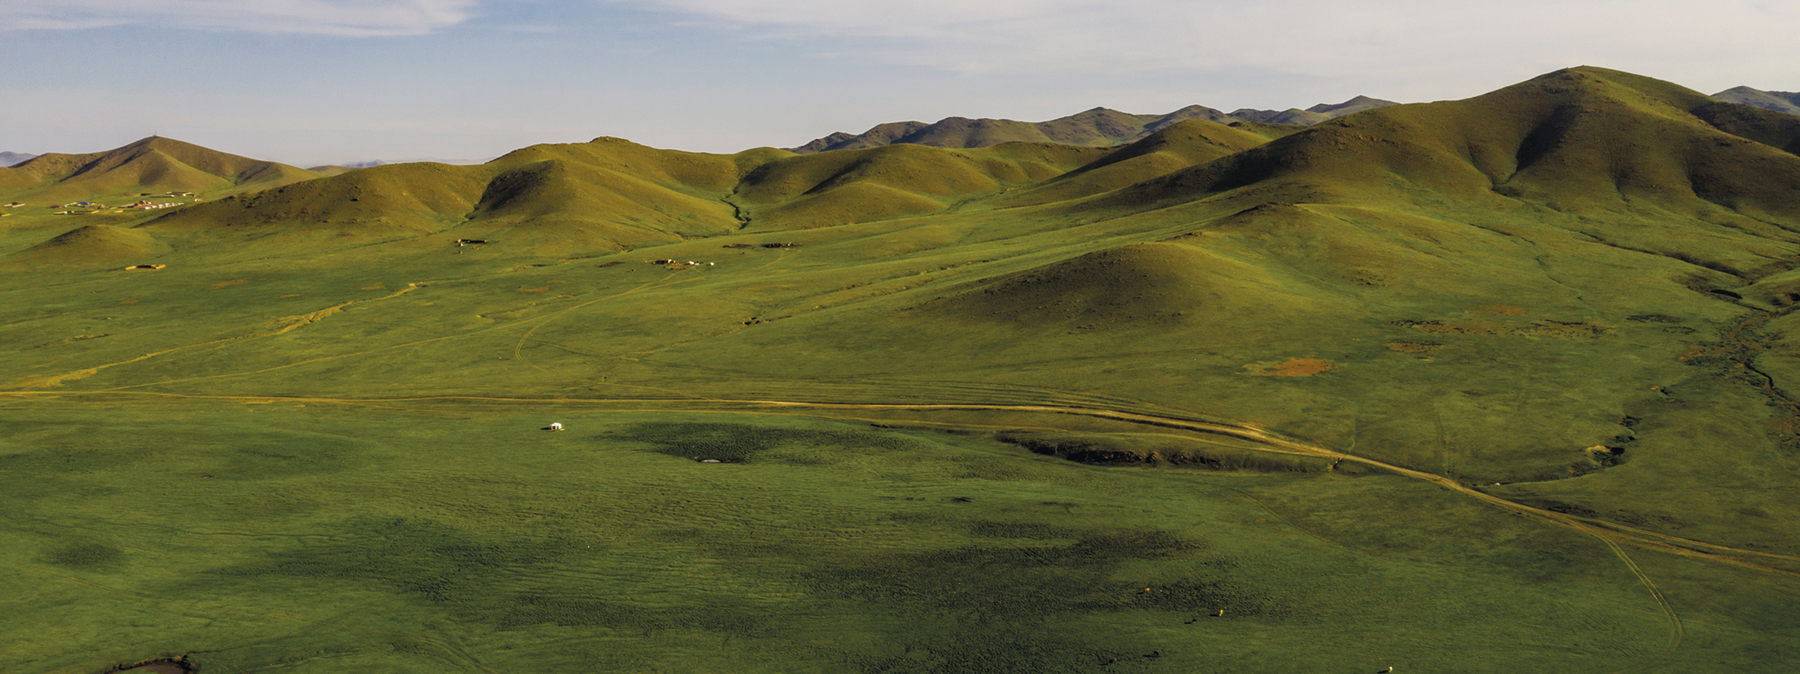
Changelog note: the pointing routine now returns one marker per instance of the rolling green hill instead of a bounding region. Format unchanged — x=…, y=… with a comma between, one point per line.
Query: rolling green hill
x=1491, y=385
x=576, y=199
x=91, y=245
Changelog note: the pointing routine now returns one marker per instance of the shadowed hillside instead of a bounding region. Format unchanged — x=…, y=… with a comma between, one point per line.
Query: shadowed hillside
x=1764, y=126
x=1174, y=147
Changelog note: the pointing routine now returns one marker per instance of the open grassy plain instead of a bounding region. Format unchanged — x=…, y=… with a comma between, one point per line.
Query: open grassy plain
x=1490, y=385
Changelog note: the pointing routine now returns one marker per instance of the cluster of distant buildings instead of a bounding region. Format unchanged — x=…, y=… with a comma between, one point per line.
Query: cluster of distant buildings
x=141, y=205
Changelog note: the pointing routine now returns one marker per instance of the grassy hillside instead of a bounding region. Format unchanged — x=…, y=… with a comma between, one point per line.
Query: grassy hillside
x=1227, y=398
x=91, y=246
x=577, y=199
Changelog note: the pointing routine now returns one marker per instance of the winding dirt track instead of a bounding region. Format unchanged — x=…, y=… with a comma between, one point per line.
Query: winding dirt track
x=284, y=325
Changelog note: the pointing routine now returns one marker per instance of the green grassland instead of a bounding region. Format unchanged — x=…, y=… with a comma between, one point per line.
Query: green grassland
x=410, y=537
x=1482, y=385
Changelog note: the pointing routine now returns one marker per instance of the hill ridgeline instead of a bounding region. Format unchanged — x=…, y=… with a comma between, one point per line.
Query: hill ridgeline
x=1096, y=127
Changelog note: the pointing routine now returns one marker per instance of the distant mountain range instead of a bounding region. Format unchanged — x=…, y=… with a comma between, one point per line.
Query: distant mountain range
x=14, y=158
x=1779, y=101
x=1092, y=128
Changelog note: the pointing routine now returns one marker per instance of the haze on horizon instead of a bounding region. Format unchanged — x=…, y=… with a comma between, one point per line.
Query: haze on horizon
x=311, y=82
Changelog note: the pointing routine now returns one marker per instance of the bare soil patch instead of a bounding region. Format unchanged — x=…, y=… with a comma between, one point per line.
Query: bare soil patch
x=1292, y=367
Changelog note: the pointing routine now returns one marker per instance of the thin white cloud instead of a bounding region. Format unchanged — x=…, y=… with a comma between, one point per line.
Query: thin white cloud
x=350, y=18
x=1327, y=38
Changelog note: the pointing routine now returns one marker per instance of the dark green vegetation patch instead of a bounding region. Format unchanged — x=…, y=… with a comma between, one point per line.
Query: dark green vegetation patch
x=85, y=556
x=737, y=443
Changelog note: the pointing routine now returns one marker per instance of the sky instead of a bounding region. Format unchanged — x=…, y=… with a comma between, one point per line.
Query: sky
x=311, y=82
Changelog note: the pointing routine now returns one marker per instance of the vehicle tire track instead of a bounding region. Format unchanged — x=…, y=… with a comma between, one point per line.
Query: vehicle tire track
x=288, y=324
x=1677, y=632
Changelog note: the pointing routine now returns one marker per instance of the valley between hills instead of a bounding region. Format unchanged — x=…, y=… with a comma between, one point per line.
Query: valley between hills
x=1488, y=385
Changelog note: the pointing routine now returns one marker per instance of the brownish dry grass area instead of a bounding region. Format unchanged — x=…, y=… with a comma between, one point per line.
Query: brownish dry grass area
x=1292, y=367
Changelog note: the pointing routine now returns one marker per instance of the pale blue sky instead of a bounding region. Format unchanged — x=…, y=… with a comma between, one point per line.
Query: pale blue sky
x=322, y=81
